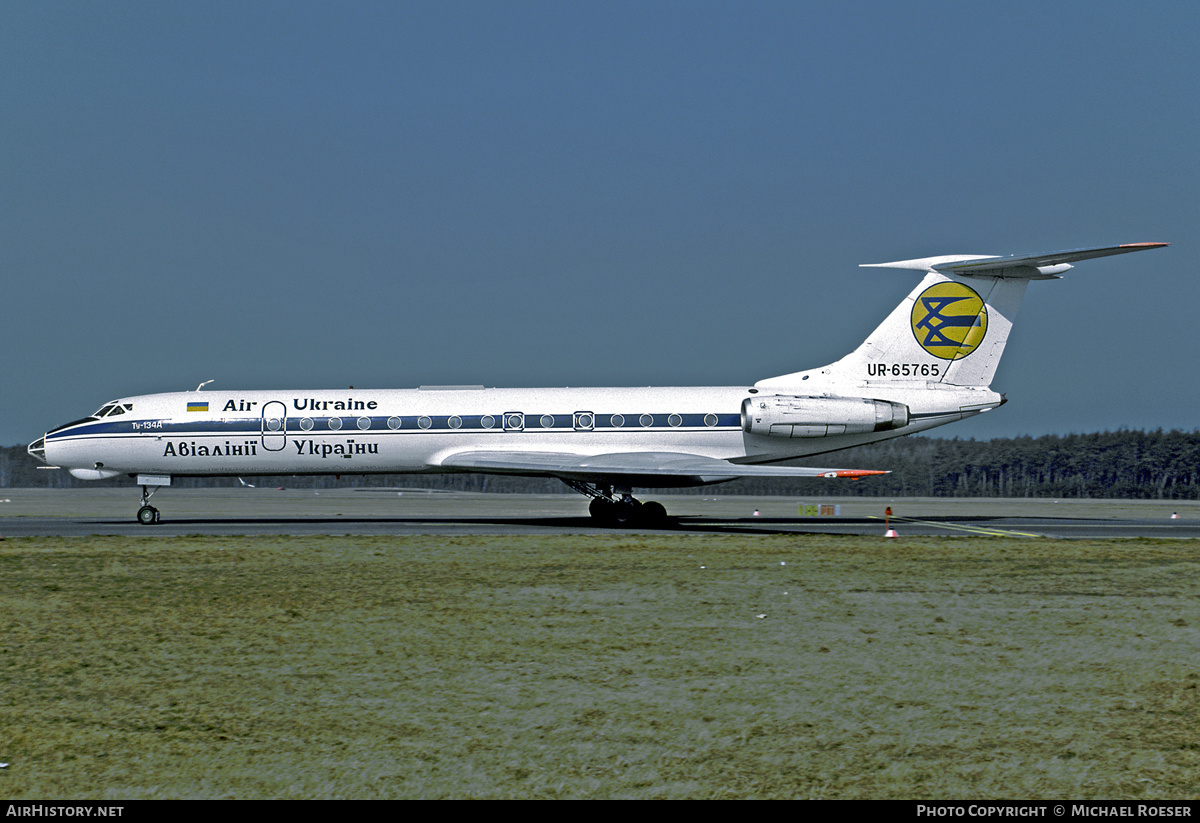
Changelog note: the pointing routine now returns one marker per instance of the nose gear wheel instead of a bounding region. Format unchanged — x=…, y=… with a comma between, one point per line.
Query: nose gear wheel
x=147, y=515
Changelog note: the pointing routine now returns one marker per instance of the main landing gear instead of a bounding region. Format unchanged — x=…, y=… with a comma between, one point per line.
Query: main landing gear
x=619, y=508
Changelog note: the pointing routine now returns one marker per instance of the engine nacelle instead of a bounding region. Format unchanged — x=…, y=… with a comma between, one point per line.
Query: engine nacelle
x=785, y=416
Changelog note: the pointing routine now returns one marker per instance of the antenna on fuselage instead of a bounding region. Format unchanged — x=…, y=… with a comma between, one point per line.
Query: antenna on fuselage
x=205, y=383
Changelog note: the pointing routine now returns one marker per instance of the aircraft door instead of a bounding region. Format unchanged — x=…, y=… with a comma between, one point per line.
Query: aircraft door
x=274, y=426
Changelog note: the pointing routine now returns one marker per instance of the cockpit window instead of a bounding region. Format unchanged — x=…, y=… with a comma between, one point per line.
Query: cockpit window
x=112, y=409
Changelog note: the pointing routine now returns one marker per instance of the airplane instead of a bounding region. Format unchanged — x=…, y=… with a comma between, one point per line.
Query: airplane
x=930, y=362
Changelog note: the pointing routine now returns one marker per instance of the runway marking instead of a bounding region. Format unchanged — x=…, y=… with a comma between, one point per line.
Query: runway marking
x=971, y=529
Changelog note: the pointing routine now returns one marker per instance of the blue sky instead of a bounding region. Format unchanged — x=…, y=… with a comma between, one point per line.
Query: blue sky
x=318, y=195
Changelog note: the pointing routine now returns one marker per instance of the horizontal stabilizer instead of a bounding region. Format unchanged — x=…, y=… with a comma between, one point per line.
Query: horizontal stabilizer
x=1024, y=266
x=628, y=466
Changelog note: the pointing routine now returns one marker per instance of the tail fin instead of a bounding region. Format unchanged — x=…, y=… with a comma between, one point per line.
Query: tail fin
x=952, y=328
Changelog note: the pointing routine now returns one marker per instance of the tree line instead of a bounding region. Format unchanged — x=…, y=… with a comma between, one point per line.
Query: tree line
x=1126, y=464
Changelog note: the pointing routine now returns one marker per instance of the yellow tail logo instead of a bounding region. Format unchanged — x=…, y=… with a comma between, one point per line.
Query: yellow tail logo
x=949, y=320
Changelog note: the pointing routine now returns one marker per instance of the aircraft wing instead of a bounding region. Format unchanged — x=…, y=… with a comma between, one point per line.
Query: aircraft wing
x=653, y=468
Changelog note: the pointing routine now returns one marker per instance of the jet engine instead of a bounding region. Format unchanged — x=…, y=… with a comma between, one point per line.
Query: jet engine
x=786, y=416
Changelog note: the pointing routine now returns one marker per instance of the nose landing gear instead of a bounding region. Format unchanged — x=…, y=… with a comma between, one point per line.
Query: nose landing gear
x=147, y=515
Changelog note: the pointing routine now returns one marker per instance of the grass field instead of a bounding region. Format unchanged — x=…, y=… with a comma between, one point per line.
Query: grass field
x=599, y=667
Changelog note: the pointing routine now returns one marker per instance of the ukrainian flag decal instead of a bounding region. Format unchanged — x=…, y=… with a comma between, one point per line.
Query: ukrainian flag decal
x=949, y=320
x=197, y=406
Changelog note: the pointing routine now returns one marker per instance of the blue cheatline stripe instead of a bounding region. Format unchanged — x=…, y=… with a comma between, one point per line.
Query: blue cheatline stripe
x=533, y=422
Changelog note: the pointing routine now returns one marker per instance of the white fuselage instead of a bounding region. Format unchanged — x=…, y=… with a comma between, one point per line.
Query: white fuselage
x=414, y=430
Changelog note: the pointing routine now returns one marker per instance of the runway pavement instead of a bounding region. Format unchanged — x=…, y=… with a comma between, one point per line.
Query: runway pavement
x=281, y=511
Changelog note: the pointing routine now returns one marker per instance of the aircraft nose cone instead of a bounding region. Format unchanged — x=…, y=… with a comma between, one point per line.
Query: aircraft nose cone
x=37, y=449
